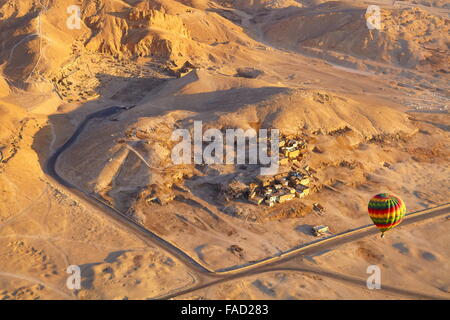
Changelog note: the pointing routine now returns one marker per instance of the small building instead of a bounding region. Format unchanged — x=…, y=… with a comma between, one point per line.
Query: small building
x=296, y=174
x=292, y=143
x=291, y=190
x=257, y=200
x=291, y=148
x=318, y=207
x=293, y=154
x=266, y=182
x=286, y=197
x=301, y=191
x=304, y=193
x=305, y=181
x=279, y=176
x=283, y=161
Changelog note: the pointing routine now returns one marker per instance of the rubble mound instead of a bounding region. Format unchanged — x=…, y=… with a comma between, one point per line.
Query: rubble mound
x=319, y=112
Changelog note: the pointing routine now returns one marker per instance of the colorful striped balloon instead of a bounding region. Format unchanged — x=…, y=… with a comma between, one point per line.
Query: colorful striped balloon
x=386, y=211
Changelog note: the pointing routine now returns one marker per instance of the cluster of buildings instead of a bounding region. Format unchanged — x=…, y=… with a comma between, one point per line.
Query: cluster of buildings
x=280, y=188
x=291, y=150
x=284, y=186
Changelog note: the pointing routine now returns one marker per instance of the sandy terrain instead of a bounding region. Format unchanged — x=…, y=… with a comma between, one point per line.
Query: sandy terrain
x=372, y=106
x=409, y=269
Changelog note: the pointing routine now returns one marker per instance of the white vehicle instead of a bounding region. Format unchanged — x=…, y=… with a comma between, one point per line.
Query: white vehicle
x=320, y=230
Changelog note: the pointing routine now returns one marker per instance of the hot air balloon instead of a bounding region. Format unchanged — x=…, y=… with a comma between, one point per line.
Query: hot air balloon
x=386, y=211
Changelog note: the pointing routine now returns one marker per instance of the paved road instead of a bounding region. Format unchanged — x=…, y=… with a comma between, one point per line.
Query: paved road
x=285, y=260
x=206, y=277
x=113, y=213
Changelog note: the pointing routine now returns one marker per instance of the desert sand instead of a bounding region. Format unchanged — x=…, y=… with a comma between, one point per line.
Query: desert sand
x=371, y=104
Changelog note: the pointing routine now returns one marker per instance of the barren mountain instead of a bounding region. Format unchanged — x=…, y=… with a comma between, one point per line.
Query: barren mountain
x=411, y=38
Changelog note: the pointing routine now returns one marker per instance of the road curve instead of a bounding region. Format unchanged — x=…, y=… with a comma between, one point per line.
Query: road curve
x=225, y=274
x=276, y=263
x=50, y=169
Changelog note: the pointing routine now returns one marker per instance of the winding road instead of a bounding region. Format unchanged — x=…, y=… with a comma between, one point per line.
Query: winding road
x=206, y=277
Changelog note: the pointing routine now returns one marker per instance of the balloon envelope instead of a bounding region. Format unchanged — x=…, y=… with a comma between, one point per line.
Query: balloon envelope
x=386, y=211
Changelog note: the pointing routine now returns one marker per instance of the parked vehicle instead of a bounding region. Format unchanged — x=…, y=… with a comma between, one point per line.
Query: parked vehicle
x=320, y=230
